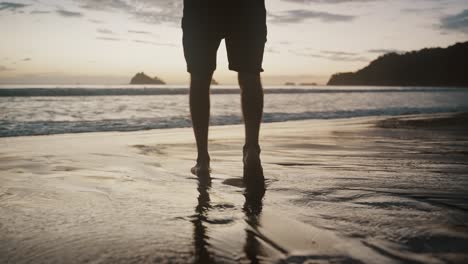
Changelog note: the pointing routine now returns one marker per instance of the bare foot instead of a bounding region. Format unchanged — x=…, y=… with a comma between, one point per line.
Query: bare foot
x=252, y=163
x=201, y=168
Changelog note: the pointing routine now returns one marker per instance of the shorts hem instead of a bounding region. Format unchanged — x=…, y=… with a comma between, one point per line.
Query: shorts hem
x=240, y=69
x=201, y=71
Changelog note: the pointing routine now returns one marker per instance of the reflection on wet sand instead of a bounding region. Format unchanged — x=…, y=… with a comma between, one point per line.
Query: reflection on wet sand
x=201, y=210
x=340, y=191
x=254, y=192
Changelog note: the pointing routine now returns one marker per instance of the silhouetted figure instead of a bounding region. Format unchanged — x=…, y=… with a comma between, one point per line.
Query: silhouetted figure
x=254, y=193
x=202, y=255
x=242, y=23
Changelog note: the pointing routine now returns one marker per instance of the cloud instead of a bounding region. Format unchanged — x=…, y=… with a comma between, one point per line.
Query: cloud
x=96, y=21
x=26, y=59
x=422, y=10
x=105, y=31
x=339, y=53
x=328, y=1
x=168, y=16
x=381, y=51
x=11, y=6
x=66, y=13
x=104, y=4
x=300, y=15
x=140, y=32
x=39, y=12
x=457, y=22
x=148, y=11
x=170, y=11
x=341, y=56
x=154, y=43
x=272, y=50
x=108, y=38
x=4, y=68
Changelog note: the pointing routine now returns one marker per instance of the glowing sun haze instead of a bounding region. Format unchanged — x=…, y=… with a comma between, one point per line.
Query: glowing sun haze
x=108, y=41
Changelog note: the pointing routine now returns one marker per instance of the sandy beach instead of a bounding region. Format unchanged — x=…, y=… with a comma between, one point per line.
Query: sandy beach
x=359, y=190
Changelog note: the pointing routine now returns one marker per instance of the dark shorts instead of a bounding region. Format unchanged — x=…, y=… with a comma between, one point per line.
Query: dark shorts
x=242, y=23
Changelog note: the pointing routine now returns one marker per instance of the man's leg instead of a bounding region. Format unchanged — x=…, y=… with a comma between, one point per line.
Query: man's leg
x=200, y=112
x=252, y=110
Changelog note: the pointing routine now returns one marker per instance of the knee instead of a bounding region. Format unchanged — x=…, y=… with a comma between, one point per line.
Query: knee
x=201, y=78
x=249, y=79
x=200, y=81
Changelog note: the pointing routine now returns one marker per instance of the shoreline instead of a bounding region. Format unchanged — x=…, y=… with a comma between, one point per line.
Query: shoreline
x=146, y=91
x=383, y=121
x=338, y=190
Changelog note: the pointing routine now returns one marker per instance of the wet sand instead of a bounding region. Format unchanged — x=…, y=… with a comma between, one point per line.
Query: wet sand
x=362, y=190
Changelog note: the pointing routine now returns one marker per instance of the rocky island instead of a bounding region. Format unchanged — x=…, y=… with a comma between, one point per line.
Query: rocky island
x=308, y=84
x=142, y=78
x=426, y=67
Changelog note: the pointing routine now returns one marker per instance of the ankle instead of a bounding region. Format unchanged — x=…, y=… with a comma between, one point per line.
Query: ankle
x=252, y=148
x=203, y=158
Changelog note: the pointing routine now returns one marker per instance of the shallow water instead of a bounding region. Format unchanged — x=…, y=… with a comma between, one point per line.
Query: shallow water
x=20, y=116
x=336, y=192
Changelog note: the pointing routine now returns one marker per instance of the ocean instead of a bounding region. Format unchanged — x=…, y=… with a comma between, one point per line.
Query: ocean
x=42, y=110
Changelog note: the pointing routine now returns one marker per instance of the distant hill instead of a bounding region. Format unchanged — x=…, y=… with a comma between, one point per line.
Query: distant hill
x=426, y=67
x=142, y=78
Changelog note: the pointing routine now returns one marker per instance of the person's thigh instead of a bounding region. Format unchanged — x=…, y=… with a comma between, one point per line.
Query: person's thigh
x=201, y=39
x=245, y=39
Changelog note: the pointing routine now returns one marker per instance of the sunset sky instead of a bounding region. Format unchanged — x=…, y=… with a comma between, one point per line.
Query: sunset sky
x=108, y=41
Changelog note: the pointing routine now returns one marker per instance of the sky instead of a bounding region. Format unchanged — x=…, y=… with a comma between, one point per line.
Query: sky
x=108, y=41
